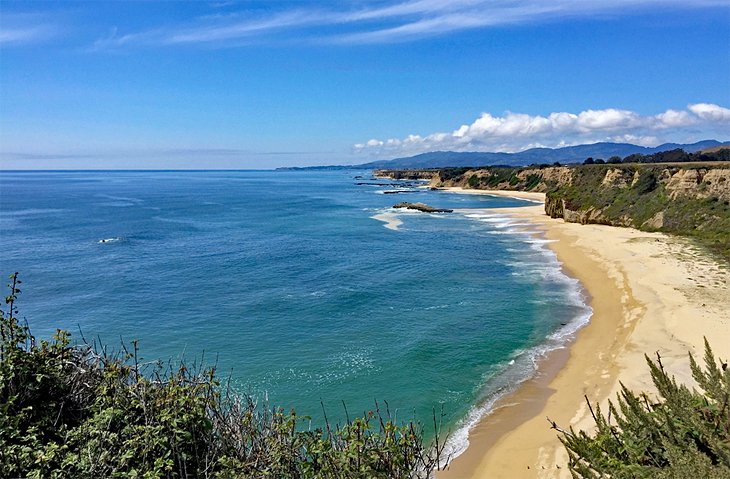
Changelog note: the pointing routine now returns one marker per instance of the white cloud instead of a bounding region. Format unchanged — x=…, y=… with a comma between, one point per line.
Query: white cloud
x=710, y=112
x=641, y=140
x=610, y=119
x=519, y=131
x=675, y=118
x=21, y=28
x=380, y=22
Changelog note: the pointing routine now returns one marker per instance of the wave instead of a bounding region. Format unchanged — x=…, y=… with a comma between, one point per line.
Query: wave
x=539, y=263
x=31, y=211
x=116, y=239
x=527, y=199
x=512, y=374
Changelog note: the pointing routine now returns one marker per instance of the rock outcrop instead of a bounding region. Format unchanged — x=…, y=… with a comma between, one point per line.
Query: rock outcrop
x=422, y=207
x=699, y=182
x=406, y=174
x=691, y=199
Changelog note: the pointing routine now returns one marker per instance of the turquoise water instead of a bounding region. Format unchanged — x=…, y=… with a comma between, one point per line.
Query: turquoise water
x=286, y=280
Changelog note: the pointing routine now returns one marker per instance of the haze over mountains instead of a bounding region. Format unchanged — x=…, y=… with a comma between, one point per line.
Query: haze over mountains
x=568, y=154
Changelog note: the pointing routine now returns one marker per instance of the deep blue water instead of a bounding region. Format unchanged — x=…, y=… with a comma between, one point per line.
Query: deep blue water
x=286, y=280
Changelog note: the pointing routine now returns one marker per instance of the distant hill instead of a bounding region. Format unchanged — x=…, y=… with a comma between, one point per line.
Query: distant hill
x=568, y=154
x=721, y=146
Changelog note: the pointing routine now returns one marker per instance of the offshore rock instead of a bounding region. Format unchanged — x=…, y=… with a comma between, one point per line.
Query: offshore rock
x=422, y=207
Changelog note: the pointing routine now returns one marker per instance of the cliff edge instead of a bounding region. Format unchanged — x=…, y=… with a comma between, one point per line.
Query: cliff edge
x=689, y=199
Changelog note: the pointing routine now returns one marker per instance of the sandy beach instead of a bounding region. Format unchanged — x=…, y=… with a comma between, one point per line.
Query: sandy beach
x=649, y=292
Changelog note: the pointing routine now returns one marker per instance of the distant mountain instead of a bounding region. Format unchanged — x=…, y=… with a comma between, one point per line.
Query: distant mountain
x=568, y=154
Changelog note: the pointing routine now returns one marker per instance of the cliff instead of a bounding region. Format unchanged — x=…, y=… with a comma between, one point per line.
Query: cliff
x=539, y=179
x=689, y=199
x=424, y=174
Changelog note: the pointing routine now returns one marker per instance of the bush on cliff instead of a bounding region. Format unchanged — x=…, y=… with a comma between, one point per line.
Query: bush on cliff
x=82, y=412
x=635, y=204
x=685, y=434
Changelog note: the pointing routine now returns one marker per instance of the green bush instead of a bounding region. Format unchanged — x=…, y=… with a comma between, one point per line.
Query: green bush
x=532, y=181
x=79, y=411
x=685, y=434
x=646, y=183
x=706, y=220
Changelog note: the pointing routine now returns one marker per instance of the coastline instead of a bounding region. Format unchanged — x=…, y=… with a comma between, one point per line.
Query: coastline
x=649, y=292
x=522, y=195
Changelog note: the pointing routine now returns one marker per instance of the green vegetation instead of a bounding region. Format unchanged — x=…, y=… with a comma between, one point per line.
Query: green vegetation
x=82, y=412
x=532, y=181
x=677, y=155
x=494, y=177
x=685, y=434
x=446, y=174
x=635, y=203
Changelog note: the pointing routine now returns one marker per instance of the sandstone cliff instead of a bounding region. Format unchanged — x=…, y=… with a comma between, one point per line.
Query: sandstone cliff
x=682, y=198
x=406, y=174
x=690, y=200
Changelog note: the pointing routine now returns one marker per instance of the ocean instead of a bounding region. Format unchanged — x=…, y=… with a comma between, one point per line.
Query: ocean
x=288, y=284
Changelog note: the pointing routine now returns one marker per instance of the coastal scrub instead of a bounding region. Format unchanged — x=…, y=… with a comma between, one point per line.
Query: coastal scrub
x=686, y=433
x=84, y=412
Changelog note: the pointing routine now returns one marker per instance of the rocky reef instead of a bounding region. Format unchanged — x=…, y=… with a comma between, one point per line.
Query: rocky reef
x=421, y=207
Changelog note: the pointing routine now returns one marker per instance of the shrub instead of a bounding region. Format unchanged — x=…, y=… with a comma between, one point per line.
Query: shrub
x=685, y=434
x=646, y=183
x=79, y=411
x=532, y=181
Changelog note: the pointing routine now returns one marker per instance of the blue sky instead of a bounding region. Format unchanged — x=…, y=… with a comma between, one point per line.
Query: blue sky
x=229, y=84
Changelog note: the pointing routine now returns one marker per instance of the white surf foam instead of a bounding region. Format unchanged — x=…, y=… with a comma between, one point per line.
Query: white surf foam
x=540, y=263
x=110, y=240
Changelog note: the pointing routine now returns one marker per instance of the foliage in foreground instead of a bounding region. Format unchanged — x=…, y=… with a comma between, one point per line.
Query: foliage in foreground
x=80, y=411
x=686, y=434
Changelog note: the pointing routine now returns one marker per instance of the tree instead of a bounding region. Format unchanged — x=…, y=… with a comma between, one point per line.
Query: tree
x=684, y=434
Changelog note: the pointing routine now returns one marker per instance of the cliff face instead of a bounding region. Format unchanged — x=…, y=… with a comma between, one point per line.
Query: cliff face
x=699, y=182
x=498, y=178
x=520, y=179
x=406, y=174
x=688, y=200
x=674, y=182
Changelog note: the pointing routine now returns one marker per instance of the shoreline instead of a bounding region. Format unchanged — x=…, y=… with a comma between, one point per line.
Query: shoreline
x=649, y=292
x=532, y=196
